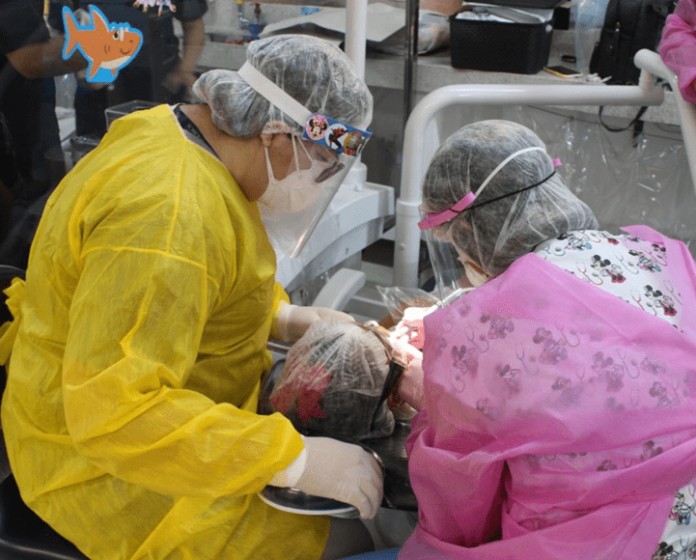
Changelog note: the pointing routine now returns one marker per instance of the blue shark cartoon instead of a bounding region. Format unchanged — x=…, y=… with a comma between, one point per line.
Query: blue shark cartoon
x=107, y=47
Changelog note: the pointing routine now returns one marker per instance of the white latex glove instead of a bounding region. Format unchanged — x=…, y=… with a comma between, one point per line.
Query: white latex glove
x=410, y=328
x=339, y=471
x=291, y=321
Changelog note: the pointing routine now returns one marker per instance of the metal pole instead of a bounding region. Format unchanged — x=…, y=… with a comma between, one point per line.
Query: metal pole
x=651, y=62
x=356, y=25
x=411, y=60
x=356, y=46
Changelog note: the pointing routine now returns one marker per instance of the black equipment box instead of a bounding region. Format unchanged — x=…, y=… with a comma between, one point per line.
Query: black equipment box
x=521, y=46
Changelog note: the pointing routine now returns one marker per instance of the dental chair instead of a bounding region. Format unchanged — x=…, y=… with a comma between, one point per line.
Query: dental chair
x=23, y=534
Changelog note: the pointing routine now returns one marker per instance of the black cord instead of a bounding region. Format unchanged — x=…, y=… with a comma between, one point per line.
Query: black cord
x=636, y=123
x=473, y=206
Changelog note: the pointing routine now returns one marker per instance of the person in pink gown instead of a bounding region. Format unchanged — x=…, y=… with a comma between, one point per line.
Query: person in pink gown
x=556, y=417
x=677, y=47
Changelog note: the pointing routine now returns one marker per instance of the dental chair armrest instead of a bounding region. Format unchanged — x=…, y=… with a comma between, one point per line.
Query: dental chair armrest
x=340, y=288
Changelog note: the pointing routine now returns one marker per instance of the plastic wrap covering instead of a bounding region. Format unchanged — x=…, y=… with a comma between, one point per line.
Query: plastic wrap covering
x=407, y=308
x=625, y=180
x=433, y=34
x=335, y=383
x=625, y=177
x=587, y=18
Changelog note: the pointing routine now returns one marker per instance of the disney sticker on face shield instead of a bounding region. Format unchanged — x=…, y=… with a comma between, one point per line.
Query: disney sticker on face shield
x=339, y=137
x=317, y=126
x=107, y=47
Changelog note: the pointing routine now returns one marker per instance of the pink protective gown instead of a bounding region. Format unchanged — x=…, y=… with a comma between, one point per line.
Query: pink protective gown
x=556, y=416
x=678, y=46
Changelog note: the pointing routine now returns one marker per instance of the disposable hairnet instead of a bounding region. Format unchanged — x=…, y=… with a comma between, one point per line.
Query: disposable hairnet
x=333, y=381
x=496, y=234
x=314, y=72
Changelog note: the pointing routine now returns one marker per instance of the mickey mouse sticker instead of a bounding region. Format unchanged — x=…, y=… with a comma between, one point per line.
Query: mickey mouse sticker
x=316, y=127
x=339, y=137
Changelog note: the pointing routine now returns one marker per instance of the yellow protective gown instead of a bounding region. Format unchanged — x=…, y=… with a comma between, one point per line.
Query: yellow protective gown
x=129, y=414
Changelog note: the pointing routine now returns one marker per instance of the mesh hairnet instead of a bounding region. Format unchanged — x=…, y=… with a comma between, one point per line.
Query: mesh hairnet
x=314, y=72
x=496, y=234
x=332, y=383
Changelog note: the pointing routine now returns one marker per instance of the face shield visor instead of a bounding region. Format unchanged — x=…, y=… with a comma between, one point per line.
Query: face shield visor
x=324, y=150
x=452, y=267
x=448, y=267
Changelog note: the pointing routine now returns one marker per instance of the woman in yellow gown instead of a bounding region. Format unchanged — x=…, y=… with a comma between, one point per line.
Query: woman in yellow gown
x=140, y=334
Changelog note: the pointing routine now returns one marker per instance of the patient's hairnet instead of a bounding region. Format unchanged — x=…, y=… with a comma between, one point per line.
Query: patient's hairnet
x=314, y=72
x=333, y=382
x=496, y=234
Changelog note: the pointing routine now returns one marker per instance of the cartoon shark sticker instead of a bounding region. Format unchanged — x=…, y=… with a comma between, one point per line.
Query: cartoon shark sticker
x=107, y=47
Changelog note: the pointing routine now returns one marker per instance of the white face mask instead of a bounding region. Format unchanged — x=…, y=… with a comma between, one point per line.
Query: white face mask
x=295, y=192
x=475, y=276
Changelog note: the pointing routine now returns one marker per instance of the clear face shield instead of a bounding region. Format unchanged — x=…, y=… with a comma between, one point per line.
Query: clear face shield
x=448, y=267
x=453, y=268
x=323, y=153
x=292, y=207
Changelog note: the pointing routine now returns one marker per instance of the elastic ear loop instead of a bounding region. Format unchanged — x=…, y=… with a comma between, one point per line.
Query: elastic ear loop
x=269, y=169
x=296, y=157
x=306, y=152
x=556, y=164
x=502, y=164
x=294, y=152
x=468, y=199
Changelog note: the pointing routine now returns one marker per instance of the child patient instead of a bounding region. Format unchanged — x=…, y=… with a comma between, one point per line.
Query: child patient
x=341, y=380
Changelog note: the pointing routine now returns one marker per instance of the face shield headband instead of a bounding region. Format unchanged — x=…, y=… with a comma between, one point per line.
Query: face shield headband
x=435, y=219
x=288, y=227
